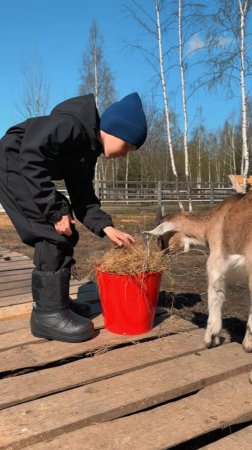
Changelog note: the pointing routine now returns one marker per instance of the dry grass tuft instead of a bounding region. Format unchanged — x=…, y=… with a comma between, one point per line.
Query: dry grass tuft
x=136, y=258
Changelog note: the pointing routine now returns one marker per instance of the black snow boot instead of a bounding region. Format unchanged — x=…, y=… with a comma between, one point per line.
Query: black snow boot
x=51, y=317
x=78, y=307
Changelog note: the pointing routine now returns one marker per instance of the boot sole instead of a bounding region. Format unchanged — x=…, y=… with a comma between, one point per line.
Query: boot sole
x=41, y=331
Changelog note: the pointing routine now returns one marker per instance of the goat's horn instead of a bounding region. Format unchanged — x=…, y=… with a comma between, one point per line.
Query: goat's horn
x=161, y=229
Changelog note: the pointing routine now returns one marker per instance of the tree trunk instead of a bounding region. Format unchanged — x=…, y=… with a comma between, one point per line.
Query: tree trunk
x=217, y=166
x=245, y=153
x=127, y=177
x=199, y=164
x=233, y=149
x=209, y=171
x=95, y=92
x=182, y=76
x=166, y=107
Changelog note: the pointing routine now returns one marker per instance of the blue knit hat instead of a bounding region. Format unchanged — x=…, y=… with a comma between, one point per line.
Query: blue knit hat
x=126, y=120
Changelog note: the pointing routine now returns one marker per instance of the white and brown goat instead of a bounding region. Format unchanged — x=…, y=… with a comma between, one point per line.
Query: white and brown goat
x=226, y=230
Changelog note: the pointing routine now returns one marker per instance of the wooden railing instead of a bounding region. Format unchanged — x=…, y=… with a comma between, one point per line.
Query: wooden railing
x=152, y=192
x=160, y=192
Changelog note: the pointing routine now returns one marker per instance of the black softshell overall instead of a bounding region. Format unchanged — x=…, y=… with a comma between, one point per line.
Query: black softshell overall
x=60, y=146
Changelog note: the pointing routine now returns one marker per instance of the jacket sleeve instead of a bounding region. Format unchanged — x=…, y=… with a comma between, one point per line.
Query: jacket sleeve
x=44, y=139
x=85, y=204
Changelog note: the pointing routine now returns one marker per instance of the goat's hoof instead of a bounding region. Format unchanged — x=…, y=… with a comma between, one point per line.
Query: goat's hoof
x=247, y=347
x=216, y=341
x=247, y=342
x=208, y=341
x=212, y=341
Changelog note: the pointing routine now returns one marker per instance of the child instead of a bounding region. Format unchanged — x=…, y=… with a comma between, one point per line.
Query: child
x=65, y=146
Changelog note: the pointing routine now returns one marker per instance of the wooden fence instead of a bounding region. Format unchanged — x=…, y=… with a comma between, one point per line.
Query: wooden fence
x=160, y=192
x=157, y=192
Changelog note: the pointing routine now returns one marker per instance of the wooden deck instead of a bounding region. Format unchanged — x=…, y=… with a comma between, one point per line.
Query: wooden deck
x=160, y=390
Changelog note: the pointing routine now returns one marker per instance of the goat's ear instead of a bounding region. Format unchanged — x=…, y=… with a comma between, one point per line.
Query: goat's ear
x=162, y=229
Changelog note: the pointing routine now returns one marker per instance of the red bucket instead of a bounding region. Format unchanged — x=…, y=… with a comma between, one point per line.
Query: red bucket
x=129, y=301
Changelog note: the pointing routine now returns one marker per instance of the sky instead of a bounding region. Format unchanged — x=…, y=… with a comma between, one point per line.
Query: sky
x=58, y=30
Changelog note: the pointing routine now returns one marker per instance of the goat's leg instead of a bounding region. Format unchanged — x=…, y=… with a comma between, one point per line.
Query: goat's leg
x=216, y=297
x=247, y=341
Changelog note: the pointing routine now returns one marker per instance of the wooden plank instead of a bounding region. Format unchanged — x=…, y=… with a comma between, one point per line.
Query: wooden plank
x=24, y=309
x=13, y=259
x=17, y=338
x=23, y=337
x=15, y=298
x=13, y=325
x=83, y=286
x=134, y=391
x=10, y=264
x=163, y=427
x=19, y=292
x=7, y=249
x=32, y=385
x=4, y=251
x=12, y=254
x=16, y=265
x=241, y=440
x=17, y=271
x=33, y=355
x=8, y=285
x=16, y=311
x=13, y=294
x=14, y=281
x=21, y=274
x=15, y=275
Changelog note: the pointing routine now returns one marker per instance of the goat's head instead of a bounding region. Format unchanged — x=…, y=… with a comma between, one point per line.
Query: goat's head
x=170, y=238
x=174, y=235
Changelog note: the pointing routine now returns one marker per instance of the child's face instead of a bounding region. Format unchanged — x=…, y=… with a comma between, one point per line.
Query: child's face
x=115, y=147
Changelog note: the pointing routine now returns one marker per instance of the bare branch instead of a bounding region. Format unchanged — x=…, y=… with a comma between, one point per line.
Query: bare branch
x=34, y=98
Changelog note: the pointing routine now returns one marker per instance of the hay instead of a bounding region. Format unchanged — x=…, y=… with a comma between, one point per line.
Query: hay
x=134, y=259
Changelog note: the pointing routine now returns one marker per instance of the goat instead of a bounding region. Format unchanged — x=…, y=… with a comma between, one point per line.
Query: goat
x=226, y=230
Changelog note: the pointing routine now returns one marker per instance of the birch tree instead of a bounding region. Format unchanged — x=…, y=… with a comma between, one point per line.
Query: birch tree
x=243, y=6
x=231, y=59
x=97, y=78
x=184, y=106
x=165, y=96
x=231, y=140
x=230, y=146
x=96, y=75
x=155, y=58
x=199, y=159
x=34, y=97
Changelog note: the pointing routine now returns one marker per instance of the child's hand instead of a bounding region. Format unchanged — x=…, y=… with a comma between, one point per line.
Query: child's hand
x=63, y=225
x=118, y=237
